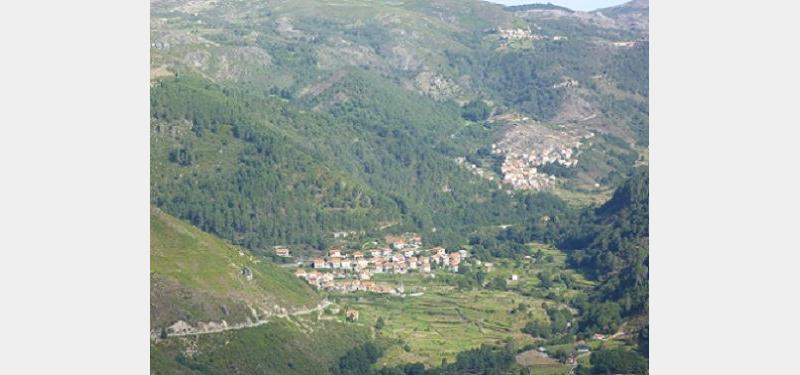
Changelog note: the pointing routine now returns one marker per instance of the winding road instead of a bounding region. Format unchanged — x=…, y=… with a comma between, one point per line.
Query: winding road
x=217, y=328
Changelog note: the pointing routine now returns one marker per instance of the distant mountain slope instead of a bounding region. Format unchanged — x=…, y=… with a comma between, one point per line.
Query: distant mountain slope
x=198, y=278
x=633, y=14
x=541, y=6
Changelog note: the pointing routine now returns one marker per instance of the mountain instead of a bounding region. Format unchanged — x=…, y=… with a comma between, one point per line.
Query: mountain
x=633, y=14
x=537, y=6
x=279, y=123
x=200, y=281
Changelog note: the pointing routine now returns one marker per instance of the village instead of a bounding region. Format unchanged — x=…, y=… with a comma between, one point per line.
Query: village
x=350, y=271
x=527, y=146
x=506, y=36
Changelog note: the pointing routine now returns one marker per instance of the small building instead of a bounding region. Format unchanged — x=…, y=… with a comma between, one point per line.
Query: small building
x=313, y=276
x=425, y=268
x=336, y=263
x=514, y=277
x=300, y=273
x=281, y=251
x=396, y=242
x=358, y=255
x=346, y=263
x=335, y=253
x=376, y=253
x=352, y=315
x=454, y=260
x=364, y=275
x=320, y=263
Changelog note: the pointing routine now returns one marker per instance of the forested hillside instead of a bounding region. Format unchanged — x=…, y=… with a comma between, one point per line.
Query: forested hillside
x=260, y=171
x=281, y=123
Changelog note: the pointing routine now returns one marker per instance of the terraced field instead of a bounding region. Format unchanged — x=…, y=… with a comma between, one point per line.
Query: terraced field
x=443, y=320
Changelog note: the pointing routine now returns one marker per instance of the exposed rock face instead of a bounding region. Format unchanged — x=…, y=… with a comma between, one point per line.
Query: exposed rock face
x=247, y=273
x=179, y=327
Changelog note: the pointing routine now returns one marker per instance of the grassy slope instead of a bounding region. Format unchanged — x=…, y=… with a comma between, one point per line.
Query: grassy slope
x=194, y=274
x=297, y=346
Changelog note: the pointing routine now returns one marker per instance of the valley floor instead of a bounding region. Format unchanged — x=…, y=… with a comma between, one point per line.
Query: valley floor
x=433, y=321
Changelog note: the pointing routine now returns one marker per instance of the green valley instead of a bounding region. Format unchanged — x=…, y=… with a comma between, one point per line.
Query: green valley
x=398, y=187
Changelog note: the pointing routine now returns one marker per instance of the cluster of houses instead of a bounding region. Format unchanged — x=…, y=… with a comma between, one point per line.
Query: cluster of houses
x=522, y=174
x=402, y=254
x=628, y=44
x=518, y=34
x=333, y=282
x=389, y=261
x=534, y=147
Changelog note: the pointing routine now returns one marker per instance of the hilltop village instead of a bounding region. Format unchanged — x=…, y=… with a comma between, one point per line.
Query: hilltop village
x=348, y=271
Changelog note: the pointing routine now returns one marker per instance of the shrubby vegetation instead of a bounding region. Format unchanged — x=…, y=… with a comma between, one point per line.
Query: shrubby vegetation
x=522, y=80
x=614, y=361
x=358, y=360
x=476, y=110
x=560, y=322
x=557, y=170
x=486, y=360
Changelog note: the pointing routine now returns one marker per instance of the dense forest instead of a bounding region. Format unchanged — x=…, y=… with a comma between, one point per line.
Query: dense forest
x=611, y=245
x=295, y=176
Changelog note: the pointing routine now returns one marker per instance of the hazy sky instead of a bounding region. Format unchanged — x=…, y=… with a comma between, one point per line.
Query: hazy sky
x=572, y=4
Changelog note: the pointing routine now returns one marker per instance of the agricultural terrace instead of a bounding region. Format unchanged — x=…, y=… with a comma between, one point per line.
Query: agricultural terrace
x=436, y=319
